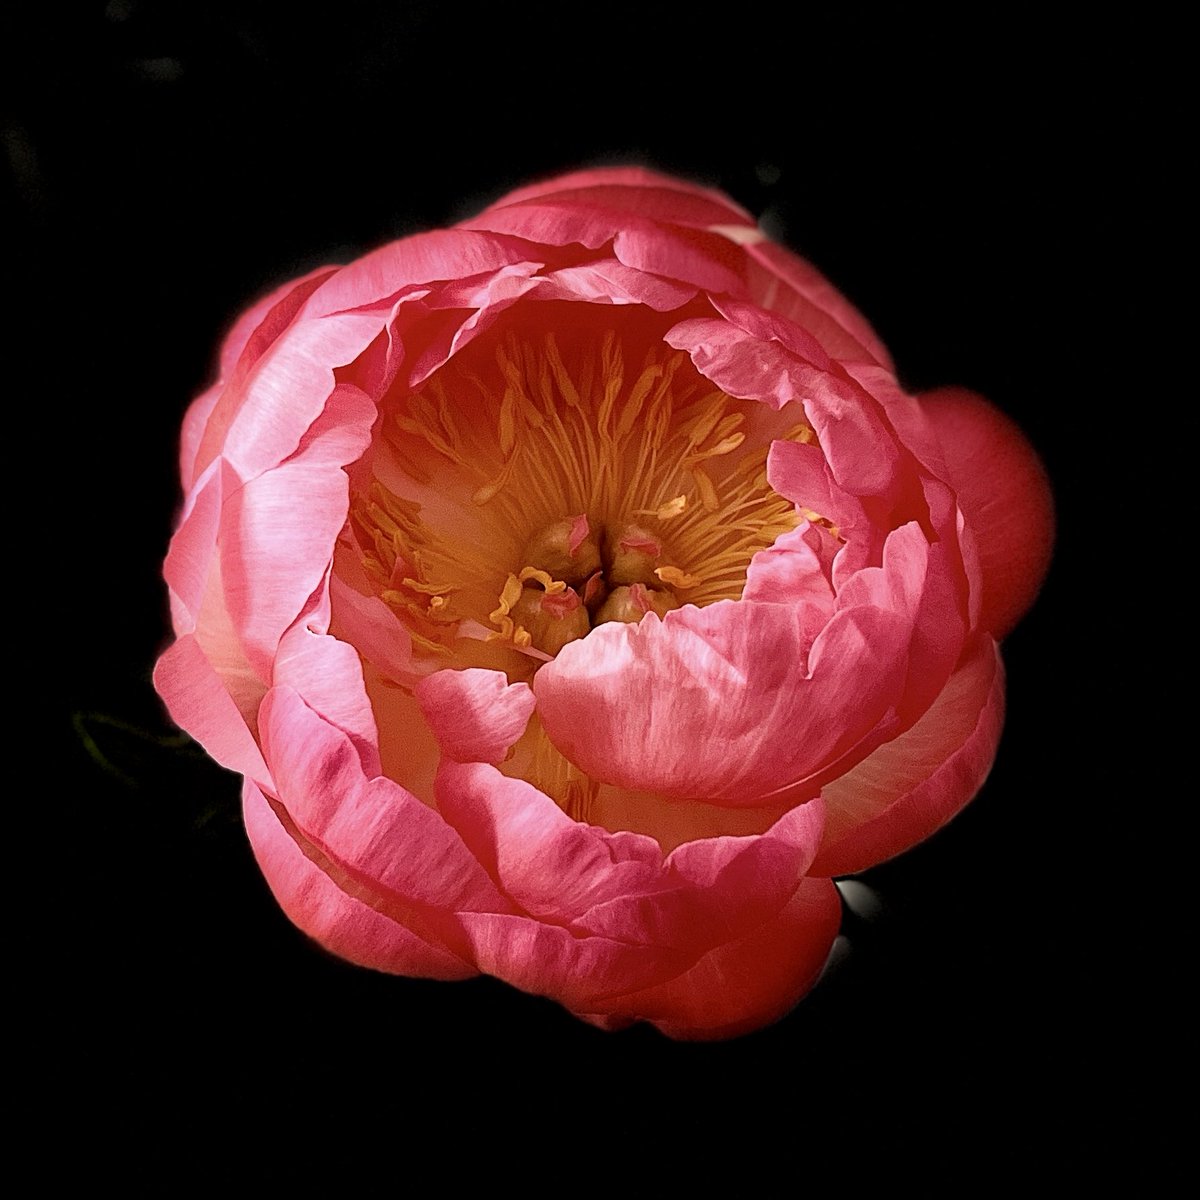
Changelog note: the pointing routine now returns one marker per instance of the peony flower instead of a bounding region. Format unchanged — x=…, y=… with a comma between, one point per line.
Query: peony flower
x=579, y=593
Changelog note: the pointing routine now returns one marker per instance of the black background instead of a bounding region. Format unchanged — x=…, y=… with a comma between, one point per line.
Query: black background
x=978, y=191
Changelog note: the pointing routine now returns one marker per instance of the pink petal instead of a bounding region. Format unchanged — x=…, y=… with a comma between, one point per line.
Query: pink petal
x=344, y=924
x=579, y=971
x=786, y=284
x=289, y=388
x=618, y=885
x=1005, y=496
x=913, y=785
x=328, y=674
x=860, y=449
x=197, y=699
x=721, y=704
x=371, y=833
x=275, y=551
x=193, y=548
x=252, y=335
x=441, y=254
x=609, y=281
x=791, y=572
x=636, y=190
x=744, y=984
x=476, y=715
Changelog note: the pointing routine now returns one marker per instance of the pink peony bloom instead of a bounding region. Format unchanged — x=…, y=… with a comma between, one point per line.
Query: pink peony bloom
x=578, y=592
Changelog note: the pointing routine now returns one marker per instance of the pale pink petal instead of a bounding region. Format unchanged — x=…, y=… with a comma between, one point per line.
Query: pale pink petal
x=193, y=548
x=911, y=786
x=343, y=923
x=609, y=281
x=275, y=551
x=373, y=629
x=1005, y=496
x=197, y=700
x=195, y=420
x=744, y=984
x=791, y=572
x=476, y=715
x=289, y=388
x=251, y=336
x=328, y=674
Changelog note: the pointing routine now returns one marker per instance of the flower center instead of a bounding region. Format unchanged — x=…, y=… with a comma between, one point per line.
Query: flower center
x=516, y=504
x=531, y=506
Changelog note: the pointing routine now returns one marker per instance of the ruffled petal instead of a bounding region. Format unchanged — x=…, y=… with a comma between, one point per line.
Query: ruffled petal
x=371, y=831
x=207, y=424
x=756, y=364
x=636, y=190
x=729, y=703
x=344, y=925
x=911, y=786
x=784, y=283
x=1005, y=496
x=476, y=715
x=376, y=280
x=276, y=552
x=197, y=699
x=744, y=984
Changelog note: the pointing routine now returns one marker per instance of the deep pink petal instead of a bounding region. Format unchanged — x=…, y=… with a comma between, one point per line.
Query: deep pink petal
x=1005, y=496
x=579, y=971
x=913, y=785
x=742, y=985
x=344, y=924
x=786, y=284
x=443, y=254
x=636, y=190
x=476, y=715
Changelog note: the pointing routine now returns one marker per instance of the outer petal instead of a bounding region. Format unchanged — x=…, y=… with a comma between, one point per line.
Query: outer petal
x=742, y=985
x=346, y=926
x=275, y=552
x=196, y=698
x=911, y=786
x=207, y=422
x=1004, y=495
x=786, y=284
x=637, y=190
x=371, y=837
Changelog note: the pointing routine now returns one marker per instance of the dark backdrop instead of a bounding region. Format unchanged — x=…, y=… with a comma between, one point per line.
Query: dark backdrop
x=977, y=191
